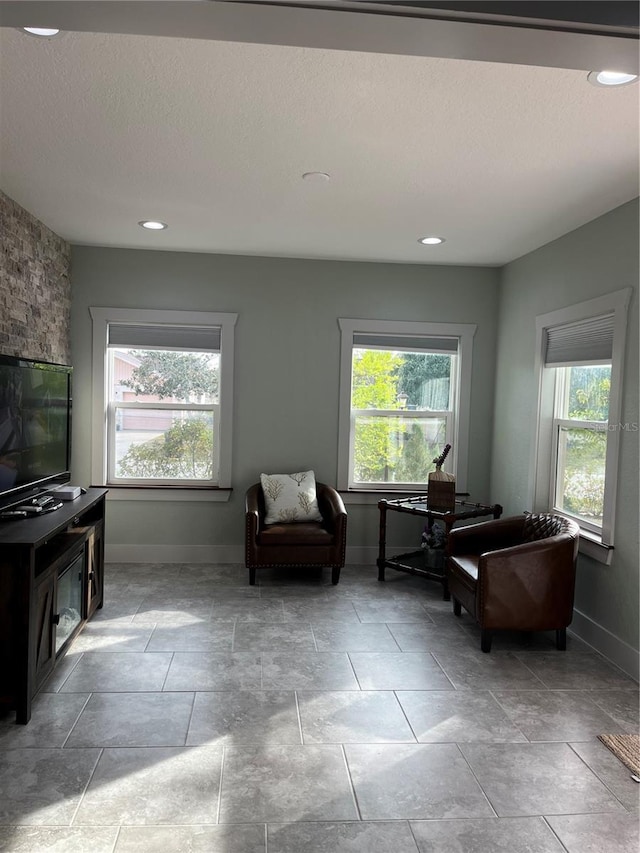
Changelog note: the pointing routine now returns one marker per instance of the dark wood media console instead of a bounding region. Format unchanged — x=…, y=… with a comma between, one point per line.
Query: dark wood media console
x=51, y=583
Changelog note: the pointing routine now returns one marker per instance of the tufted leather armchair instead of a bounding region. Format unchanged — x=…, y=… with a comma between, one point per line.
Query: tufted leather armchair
x=515, y=573
x=297, y=544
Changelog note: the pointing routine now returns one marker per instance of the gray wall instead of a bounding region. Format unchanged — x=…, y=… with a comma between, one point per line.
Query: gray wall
x=35, y=292
x=287, y=370
x=598, y=258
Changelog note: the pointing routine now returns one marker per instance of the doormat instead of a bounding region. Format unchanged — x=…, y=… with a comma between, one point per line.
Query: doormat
x=626, y=748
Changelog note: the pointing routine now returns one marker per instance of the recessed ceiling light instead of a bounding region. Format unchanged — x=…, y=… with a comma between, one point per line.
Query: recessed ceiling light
x=41, y=32
x=316, y=176
x=611, y=78
x=153, y=225
x=431, y=241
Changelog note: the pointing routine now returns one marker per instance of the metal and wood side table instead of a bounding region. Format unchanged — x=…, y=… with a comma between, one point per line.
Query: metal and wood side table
x=414, y=562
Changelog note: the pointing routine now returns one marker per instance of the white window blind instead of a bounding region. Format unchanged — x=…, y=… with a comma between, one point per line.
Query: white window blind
x=165, y=337
x=410, y=343
x=588, y=341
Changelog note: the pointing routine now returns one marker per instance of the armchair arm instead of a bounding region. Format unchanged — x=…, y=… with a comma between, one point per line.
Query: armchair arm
x=528, y=586
x=331, y=507
x=252, y=511
x=486, y=536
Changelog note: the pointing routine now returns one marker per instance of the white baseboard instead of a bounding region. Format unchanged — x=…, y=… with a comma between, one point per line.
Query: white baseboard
x=603, y=641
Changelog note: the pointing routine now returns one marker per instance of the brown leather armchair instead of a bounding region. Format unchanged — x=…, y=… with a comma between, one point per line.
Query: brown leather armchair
x=515, y=573
x=297, y=544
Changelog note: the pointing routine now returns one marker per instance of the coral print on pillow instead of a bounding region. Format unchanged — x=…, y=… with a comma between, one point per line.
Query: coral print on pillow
x=290, y=497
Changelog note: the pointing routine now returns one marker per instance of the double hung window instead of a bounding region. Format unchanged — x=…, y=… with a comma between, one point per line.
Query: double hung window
x=404, y=395
x=165, y=406
x=581, y=360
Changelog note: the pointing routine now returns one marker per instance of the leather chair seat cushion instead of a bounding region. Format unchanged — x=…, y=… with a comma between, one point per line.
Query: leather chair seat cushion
x=463, y=580
x=299, y=534
x=466, y=568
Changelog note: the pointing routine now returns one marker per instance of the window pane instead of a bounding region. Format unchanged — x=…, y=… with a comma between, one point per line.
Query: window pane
x=156, y=444
x=581, y=468
x=384, y=379
x=164, y=375
x=396, y=449
x=588, y=393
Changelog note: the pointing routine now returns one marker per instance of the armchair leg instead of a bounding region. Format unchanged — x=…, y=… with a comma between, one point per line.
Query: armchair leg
x=252, y=575
x=335, y=576
x=457, y=607
x=485, y=640
x=561, y=639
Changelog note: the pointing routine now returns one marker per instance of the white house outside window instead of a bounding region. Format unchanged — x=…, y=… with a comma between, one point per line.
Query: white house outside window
x=165, y=405
x=580, y=357
x=404, y=395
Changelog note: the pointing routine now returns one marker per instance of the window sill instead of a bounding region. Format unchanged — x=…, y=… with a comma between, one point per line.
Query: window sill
x=157, y=493
x=591, y=546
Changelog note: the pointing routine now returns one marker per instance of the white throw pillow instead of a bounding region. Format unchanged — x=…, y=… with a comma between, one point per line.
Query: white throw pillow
x=290, y=497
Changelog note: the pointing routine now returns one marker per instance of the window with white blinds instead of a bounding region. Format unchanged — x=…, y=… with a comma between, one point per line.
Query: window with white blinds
x=163, y=401
x=579, y=430
x=404, y=395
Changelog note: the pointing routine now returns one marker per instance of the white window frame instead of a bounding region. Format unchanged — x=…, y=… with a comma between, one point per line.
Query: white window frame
x=457, y=423
x=103, y=410
x=595, y=542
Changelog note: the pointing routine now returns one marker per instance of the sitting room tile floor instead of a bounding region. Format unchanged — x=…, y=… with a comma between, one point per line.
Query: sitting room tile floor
x=198, y=713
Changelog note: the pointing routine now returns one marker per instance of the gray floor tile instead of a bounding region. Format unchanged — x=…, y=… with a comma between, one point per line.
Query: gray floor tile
x=264, y=636
x=156, y=785
x=307, y=671
x=391, y=611
x=354, y=837
x=621, y=705
x=597, y=833
x=459, y=716
x=357, y=637
x=610, y=770
x=132, y=719
x=127, y=672
x=285, y=784
x=191, y=839
x=398, y=671
x=57, y=839
x=52, y=718
x=329, y=610
x=101, y=637
x=63, y=670
x=578, y=671
x=216, y=636
x=537, y=779
x=214, y=671
x=167, y=610
x=353, y=717
x=43, y=786
x=414, y=781
x=474, y=670
x=252, y=610
x=486, y=835
x=229, y=574
x=249, y=717
x=425, y=636
x=555, y=715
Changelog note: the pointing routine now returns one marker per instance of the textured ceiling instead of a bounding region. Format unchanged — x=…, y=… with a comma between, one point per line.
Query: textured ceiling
x=99, y=131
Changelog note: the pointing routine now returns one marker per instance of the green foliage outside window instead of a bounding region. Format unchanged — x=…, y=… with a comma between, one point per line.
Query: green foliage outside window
x=389, y=449
x=585, y=449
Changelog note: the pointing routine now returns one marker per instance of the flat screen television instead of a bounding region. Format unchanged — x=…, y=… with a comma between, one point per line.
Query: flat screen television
x=35, y=427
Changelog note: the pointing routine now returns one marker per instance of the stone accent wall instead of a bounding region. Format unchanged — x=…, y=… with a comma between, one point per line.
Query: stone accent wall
x=35, y=288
